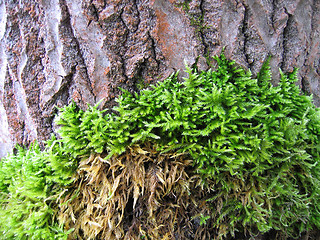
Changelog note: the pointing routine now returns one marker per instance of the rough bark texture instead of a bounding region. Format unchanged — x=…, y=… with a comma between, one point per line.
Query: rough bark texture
x=52, y=51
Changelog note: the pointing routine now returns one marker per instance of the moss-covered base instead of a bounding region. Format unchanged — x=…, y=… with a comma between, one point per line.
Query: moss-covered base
x=221, y=155
x=141, y=194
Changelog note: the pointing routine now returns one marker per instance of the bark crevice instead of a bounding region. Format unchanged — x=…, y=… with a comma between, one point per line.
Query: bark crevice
x=244, y=31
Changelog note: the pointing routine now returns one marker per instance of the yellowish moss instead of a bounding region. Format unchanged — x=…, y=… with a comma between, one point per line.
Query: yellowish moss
x=141, y=193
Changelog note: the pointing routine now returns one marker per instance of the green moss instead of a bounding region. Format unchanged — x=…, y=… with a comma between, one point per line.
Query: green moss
x=185, y=5
x=255, y=145
x=256, y=142
x=25, y=206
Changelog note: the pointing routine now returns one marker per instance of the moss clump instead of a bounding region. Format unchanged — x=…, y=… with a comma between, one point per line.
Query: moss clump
x=141, y=193
x=26, y=204
x=254, y=146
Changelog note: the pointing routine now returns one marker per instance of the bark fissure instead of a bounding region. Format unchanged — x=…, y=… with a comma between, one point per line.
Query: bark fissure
x=244, y=31
x=61, y=94
x=313, y=9
x=312, y=75
x=285, y=38
x=153, y=50
x=79, y=65
x=83, y=70
x=201, y=30
x=125, y=36
x=138, y=14
x=274, y=6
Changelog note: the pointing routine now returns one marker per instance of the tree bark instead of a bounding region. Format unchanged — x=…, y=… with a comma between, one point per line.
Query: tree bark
x=52, y=51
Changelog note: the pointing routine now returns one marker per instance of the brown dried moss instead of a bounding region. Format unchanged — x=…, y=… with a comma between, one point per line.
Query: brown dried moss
x=141, y=194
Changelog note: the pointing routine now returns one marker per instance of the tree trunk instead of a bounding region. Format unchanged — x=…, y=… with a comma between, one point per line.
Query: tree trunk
x=52, y=51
